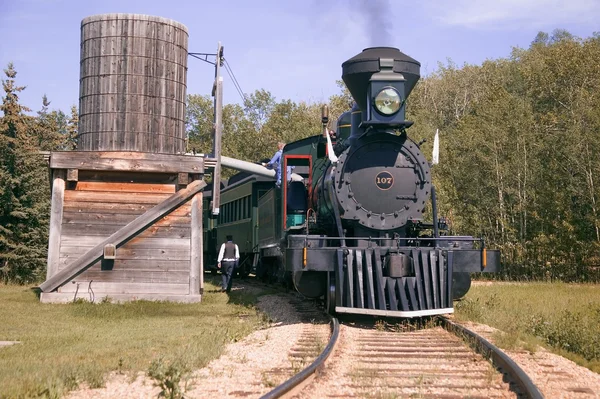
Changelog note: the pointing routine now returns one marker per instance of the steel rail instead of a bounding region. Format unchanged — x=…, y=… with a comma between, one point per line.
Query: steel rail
x=526, y=387
x=302, y=376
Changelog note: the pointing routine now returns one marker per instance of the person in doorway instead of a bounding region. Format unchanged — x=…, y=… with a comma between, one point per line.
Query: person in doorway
x=275, y=162
x=229, y=256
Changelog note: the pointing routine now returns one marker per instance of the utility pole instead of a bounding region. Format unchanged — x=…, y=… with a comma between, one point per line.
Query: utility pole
x=217, y=93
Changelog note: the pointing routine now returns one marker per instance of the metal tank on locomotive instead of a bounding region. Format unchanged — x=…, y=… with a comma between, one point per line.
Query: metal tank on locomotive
x=367, y=250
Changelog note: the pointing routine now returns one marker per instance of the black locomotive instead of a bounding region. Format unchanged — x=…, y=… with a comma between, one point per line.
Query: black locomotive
x=352, y=231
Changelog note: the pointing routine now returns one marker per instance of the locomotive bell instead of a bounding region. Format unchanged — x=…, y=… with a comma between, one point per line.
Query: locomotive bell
x=380, y=79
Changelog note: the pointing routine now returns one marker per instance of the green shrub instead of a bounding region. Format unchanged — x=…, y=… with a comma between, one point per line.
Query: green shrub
x=170, y=377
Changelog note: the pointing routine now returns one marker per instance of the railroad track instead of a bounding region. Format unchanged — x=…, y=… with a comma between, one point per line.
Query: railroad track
x=430, y=362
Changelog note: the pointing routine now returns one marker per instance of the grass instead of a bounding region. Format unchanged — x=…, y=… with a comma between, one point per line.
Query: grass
x=65, y=345
x=406, y=325
x=562, y=317
x=268, y=381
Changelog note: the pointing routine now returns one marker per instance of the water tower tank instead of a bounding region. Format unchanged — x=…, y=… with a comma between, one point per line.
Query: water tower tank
x=132, y=88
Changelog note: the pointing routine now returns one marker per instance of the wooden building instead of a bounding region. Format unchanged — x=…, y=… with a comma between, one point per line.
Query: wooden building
x=126, y=218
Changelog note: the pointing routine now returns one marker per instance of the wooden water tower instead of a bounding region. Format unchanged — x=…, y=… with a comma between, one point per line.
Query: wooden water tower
x=126, y=216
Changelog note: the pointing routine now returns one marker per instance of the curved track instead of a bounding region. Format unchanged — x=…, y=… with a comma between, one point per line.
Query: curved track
x=521, y=381
x=305, y=375
x=430, y=362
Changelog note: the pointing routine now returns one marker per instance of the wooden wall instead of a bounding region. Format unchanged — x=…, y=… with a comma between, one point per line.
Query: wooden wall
x=159, y=255
x=162, y=262
x=133, y=79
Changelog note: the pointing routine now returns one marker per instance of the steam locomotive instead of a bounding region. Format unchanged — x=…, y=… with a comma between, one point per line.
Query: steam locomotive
x=351, y=229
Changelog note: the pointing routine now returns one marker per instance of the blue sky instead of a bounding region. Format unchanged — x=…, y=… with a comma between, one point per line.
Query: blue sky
x=293, y=48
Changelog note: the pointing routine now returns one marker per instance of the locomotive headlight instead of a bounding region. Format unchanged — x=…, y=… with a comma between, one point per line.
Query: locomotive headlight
x=387, y=101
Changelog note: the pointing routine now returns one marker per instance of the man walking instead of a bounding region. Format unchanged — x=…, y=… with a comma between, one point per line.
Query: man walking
x=229, y=256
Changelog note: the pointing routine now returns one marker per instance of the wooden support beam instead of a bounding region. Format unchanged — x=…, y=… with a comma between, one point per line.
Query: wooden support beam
x=218, y=131
x=72, y=174
x=183, y=179
x=67, y=297
x=110, y=251
x=196, y=266
x=127, y=161
x=56, y=216
x=122, y=235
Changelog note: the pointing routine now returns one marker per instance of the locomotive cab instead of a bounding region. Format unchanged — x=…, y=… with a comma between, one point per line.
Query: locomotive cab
x=296, y=204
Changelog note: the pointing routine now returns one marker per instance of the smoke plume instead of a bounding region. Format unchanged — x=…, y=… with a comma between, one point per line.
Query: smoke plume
x=377, y=16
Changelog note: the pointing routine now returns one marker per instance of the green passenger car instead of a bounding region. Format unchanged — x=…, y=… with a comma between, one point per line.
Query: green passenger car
x=252, y=211
x=239, y=217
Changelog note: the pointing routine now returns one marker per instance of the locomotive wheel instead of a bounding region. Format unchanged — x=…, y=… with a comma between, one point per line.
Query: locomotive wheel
x=330, y=295
x=461, y=282
x=271, y=275
x=288, y=282
x=261, y=270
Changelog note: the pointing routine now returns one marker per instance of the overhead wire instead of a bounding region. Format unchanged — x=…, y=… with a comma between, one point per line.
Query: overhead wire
x=236, y=84
x=233, y=78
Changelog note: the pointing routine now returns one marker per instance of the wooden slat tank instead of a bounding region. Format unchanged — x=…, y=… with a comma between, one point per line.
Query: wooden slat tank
x=132, y=84
x=126, y=218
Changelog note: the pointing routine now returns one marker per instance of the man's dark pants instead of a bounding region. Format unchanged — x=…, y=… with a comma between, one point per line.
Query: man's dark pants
x=227, y=269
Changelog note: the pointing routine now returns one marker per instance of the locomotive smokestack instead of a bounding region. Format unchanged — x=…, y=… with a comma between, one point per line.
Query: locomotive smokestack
x=357, y=71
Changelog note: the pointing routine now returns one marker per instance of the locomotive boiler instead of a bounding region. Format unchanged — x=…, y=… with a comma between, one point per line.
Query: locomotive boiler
x=381, y=180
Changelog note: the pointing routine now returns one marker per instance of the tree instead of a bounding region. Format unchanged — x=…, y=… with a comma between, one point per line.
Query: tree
x=24, y=199
x=292, y=121
x=520, y=152
x=72, y=130
x=278, y=121
x=339, y=103
x=199, y=123
x=240, y=138
x=258, y=107
x=49, y=128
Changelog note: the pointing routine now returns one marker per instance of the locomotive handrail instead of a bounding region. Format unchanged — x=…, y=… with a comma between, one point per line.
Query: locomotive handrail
x=308, y=218
x=302, y=376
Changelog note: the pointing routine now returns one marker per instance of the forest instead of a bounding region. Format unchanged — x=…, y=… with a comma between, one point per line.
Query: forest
x=519, y=155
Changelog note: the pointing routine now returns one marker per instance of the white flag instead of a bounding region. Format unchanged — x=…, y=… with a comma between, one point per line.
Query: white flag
x=330, y=151
x=436, y=148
